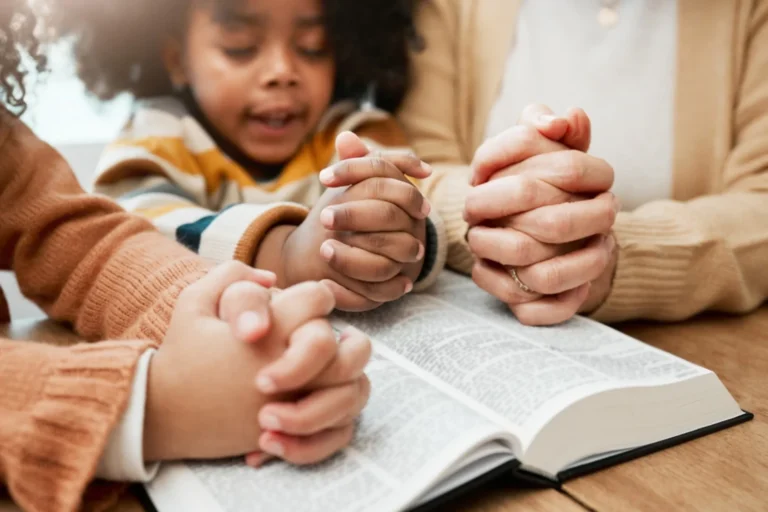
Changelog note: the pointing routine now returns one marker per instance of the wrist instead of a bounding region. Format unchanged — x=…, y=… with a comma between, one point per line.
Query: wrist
x=159, y=442
x=272, y=253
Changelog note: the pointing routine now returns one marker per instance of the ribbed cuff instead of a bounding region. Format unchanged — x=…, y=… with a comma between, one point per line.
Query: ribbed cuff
x=257, y=222
x=135, y=294
x=448, y=197
x=66, y=427
x=655, y=254
x=435, y=253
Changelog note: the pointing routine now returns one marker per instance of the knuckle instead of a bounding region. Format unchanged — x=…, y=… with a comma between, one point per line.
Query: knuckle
x=378, y=187
x=412, y=160
x=553, y=227
x=573, y=167
x=390, y=214
x=414, y=197
x=318, y=293
x=296, y=421
x=322, y=344
x=378, y=165
x=343, y=169
x=378, y=241
x=527, y=190
x=386, y=270
x=547, y=279
x=525, y=135
x=520, y=249
x=234, y=267
x=383, y=292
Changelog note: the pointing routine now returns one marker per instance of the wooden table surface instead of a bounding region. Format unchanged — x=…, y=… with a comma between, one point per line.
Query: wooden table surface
x=723, y=471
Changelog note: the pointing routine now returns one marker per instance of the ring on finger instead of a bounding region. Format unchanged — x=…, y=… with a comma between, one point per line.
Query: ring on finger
x=524, y=287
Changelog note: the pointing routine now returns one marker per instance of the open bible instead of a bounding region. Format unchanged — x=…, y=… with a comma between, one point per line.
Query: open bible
x=462, y=392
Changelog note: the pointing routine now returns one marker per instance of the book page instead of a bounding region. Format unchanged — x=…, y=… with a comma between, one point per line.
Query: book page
x=409, y=435
x=590, y=343
x=468, y=340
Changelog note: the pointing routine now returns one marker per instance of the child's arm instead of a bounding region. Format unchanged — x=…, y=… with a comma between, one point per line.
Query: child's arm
x=158, y=177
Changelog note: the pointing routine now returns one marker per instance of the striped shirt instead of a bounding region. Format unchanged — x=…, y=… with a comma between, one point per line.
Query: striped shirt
x=167, y=168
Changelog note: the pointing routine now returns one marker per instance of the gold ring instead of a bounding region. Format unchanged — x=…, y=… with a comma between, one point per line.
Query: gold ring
x=520, y=284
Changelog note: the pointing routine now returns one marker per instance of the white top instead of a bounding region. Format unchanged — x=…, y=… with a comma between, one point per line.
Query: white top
x=123, y=458
x=622, y=75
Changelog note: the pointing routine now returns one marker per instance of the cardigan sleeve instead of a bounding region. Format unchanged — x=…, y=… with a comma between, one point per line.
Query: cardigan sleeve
x=430, y=118
x=677, y=259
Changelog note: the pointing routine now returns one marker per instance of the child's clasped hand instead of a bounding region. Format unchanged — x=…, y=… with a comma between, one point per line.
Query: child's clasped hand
x=366, y=236
x=243, y=370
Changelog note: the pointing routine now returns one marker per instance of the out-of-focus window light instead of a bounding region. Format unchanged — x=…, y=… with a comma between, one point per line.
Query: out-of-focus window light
x=62, y=112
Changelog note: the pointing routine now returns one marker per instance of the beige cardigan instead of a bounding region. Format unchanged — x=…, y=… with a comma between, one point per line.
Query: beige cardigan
x=705, y=250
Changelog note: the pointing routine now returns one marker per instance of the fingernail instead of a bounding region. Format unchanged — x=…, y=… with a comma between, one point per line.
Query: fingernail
x=546, y=118
x=249, y=321
x=326, y=251
x=408, y=287
x=327, y=218
x=426, y=208
x=421, y=252
x=266, y=384
x=256, y=460
x=270, y=422
x=427, y=168
x=274, y=448
x=327, y=176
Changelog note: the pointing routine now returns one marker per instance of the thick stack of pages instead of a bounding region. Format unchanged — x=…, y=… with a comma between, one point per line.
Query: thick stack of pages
x=461, y=393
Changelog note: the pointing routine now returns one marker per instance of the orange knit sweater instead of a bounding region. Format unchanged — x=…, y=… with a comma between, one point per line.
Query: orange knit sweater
x=86, y=262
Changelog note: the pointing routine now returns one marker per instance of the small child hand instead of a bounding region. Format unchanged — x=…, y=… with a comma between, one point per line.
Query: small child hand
x=331, y=396
x=318, y=384
x=202, y=395
x=369, y=228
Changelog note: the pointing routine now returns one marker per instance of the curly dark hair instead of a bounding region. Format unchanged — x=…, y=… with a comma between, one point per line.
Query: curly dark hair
x=18, y=23
x=118, y=46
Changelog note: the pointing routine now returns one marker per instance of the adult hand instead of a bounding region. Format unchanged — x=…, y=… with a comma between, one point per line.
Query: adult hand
x=542, y=218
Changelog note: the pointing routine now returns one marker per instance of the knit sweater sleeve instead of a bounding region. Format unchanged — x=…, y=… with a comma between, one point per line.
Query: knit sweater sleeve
x=433, y=123
x=679, y=258
x=88, y=263
x=57, y=407
x=81, y=258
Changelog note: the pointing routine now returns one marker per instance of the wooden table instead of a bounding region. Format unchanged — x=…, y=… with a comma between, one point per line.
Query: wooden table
x=724, y=471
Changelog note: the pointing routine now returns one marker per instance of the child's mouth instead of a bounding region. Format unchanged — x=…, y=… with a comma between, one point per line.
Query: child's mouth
x=274, y=125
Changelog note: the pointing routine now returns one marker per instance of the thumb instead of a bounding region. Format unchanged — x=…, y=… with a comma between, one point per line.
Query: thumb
x=245, y=306
x=542, y=118
x=203, y=297
x=579, y=133
x=349, y=145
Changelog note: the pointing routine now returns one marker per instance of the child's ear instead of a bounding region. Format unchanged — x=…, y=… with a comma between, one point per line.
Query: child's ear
x=173, y=58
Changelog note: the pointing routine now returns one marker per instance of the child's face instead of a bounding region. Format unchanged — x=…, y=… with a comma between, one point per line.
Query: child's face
x=262, y=73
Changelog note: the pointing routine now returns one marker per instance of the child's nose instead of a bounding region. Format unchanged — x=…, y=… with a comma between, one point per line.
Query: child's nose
x=280, y=70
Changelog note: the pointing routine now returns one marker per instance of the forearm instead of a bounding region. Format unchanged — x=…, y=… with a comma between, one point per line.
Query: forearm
x=57, y=409
x=677, y=259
